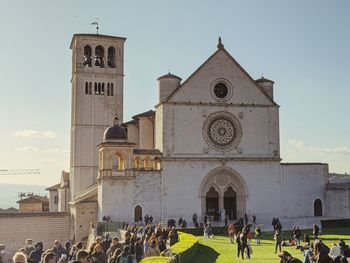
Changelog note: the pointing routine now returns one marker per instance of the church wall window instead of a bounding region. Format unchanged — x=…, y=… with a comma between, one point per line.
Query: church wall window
x=103, y=89
x=99, y=88
x=87, y=56
x=318, y=207
x=90, y=88
x=108, y=92
x=111, y=57
x=55, y=200
x=111, y=89
x=86, y=87
x=95, y=87
x=99, y=56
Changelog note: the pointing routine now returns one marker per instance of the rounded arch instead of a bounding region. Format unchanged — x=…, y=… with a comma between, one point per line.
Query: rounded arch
x=318, y=211
x=224, y=178
x=137, y=214
x=99, y=56
x=157, y=163
x=137, y=162
x=118, y=161
x=111, y=57
x=87, y=56
x=229, y=177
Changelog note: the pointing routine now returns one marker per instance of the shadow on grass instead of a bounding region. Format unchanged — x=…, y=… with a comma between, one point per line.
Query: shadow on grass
x=205, y=254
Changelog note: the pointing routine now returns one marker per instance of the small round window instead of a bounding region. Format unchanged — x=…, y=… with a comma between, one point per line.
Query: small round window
x=220, y=90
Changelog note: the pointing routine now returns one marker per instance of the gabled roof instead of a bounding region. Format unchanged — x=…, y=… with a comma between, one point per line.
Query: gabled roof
x=135, y=118
x=34, y=199
x=54, y=187
x=221, y=49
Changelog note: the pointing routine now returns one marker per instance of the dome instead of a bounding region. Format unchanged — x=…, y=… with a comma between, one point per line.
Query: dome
x=115, y=132
x=169, y=76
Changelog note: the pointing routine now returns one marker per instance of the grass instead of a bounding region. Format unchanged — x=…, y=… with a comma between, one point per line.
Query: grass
x=220, y=250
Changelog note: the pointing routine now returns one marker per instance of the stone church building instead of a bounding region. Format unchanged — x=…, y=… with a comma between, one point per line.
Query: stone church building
x=211, y=146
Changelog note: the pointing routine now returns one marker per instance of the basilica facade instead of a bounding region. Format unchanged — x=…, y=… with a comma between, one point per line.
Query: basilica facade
x=210, y=146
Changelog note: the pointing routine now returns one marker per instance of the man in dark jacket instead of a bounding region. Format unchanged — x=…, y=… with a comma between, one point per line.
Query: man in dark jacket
x=125, y=256
x=35, y=256
x=315, y=231
x=138, y=248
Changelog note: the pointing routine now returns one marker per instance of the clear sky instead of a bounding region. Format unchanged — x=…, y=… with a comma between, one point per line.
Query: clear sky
x=304, y=46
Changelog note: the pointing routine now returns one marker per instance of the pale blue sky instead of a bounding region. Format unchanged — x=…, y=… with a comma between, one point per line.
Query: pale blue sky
x=304, y=46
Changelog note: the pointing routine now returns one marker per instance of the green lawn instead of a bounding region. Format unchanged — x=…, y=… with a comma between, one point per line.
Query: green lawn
x=220, y=250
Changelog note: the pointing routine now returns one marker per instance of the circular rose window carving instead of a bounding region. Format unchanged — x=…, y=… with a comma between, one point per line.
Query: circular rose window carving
x=222, y=131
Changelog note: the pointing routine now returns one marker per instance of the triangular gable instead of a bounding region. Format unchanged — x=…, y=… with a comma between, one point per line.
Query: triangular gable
x=196, y=88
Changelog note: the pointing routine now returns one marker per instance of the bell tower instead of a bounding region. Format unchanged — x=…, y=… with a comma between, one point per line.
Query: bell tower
x=97, y=97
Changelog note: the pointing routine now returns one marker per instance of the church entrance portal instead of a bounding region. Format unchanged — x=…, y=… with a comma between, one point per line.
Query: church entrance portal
x=230, y=203
x=223, y=194
x=212, y=203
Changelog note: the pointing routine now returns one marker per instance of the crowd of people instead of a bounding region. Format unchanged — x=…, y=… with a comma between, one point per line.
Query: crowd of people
x=139, y=242
x=149, y=239
x=312, y=252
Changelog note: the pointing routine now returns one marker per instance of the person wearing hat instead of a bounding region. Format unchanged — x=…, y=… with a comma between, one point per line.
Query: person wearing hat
x=35, y=255
x=5, y=256
x=287, y=258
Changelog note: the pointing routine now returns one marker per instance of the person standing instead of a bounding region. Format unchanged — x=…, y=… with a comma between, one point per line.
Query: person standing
x=231, y=233
x=244, y=245
x=258, y=235
x=138, y=250
x=5, y=256
x=35, y=256
x=315, y=231
x=278, y=240
x=239, y=246
x=206, y=232
x=254, y=220
x=29, y=248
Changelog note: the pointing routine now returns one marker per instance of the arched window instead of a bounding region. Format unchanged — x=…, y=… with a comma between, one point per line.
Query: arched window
x=137, y=162
x=117, y=162
x=108, y=92
x=99, y=56
x=96, y=88
x=157, y=165
x=99, y=88
x=86, y=87
x=103, y=89
x=147, y=163
x=318, y=207
x=87, y=56
x=111, y=57
x=111, y=91
x=90, y=88
x=138, y=214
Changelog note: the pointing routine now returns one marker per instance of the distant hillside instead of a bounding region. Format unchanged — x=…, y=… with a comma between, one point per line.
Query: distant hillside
x=9, y=193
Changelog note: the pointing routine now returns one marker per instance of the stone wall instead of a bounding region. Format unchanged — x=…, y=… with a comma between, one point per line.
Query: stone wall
x=45, y=227
x=302, y=184
x=338, y=200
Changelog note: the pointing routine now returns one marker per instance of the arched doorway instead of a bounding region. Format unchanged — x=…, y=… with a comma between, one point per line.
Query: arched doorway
x=138, y=213
x=230, y=203
x=318, y=207
x=229, y=189
x=212, y=203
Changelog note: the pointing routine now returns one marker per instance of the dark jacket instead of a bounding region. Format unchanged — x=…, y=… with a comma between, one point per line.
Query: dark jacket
x=98, y=257
x=124, y=258
x=35, y=255
x=138, y=248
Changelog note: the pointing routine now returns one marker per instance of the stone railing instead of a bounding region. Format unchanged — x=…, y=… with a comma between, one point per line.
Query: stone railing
x=124, y=173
